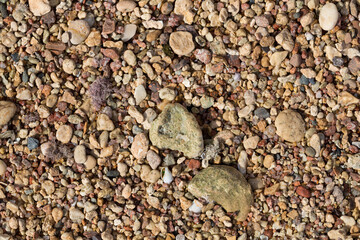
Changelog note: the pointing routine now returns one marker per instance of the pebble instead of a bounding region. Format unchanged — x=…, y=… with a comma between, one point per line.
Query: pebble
x=76, y=215
x=113, y=174
x=64, y=133
x=133, y=112
x=207, y=102
x=184, y=8
x=167, y=93
x=354, y=161
x=130, y=57
x=285, y=39
x=349, y=221
x=7, y=112
x=94, y=39
x=104, y=123
x=48, y=186
x=2, y=167
x=261, y=113
x=233, y=195
x=177, y=129
x=129, y=32
x=303, y=192
x=39, y=7
x=315, y=144
x=79, y=30
x=90, y=162
x=181, y=43
x=68, y=66
x=278, y=57
x=346, y=99
x=328, y=16
x=354, y=65
x=57, y=214
x=140, y=146
x=80, y=154
x=251, y=142
x=153, y=159
x=290, y=126
x=140, y=94
x=32, y=143
x=268, y=161
x=122, y=168
x=125, y=6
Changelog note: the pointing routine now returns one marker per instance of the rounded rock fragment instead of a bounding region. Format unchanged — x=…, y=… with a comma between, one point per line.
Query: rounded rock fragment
x=7, y=112
x=39, y=7
x=64, y=133
x=125, y=6
x=79, y=30
x=328, y=16
x=80, y=154
x=2, y=167
x=290, y=126
x=69, y=66
x=181, y=43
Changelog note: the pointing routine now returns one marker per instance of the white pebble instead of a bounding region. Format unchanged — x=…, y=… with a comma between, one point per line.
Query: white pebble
x=328, y=16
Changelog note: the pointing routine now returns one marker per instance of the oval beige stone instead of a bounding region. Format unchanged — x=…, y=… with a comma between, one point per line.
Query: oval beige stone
x=79, y=30
x=181, y=43
x=290, y=126
x=7, y=112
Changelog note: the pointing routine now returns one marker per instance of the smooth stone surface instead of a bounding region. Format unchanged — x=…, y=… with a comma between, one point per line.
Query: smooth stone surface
x=181, y=43
x=140, y=146
x=125, y=6
x=177, y=129
x=79, y=30
x=64, y=133
x=39, y=7
x=290, y=126
x=80, y=154
x=129, y=32
x=328, y=16
x=104, y=123
x=7, y=112
x=2, y=167
x=226, y=186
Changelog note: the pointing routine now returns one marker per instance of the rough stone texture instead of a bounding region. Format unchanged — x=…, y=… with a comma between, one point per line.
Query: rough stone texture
x=328, y=16
x=285, y=40
x=290, y=126
x=39, y=7
x=354, y=161
x=181, y=43
x=177, y=129
x=7, y=111
x=226, y=186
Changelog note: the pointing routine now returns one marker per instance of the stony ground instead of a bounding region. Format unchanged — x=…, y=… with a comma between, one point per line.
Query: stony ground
x=151, y=119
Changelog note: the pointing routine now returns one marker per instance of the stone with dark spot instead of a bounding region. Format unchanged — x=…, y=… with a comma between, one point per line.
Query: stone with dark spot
x=177, y=129
x=226, y=186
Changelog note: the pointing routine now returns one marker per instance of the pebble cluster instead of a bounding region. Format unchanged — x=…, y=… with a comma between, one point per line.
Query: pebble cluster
x=179, y=119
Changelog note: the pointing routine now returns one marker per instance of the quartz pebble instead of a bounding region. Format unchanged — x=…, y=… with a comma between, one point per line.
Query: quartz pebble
x=39, y=7
x=7, y=112
x=290, y=126
x=125, y=6
x=129, y=32
x=181, y=43
x=79, y=31
x=2, y=167
x=140, y=146
x=80, y=154
x=64, y=133
x=69, y=66
x=328, y=16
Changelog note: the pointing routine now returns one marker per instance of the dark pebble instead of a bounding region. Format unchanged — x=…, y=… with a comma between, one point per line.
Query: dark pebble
x=15, y=57
x=25, y=76
x=312, y=81
x=304, y=80
x=32, y=143
x=338, y=61
x=113, y=173
x=310, y=151
x=3, y=10
x=262, y=113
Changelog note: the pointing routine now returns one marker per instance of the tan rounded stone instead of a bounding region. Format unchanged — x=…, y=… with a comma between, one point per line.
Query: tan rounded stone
x=290, y=126
x=181, y=43
x=7, y=111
